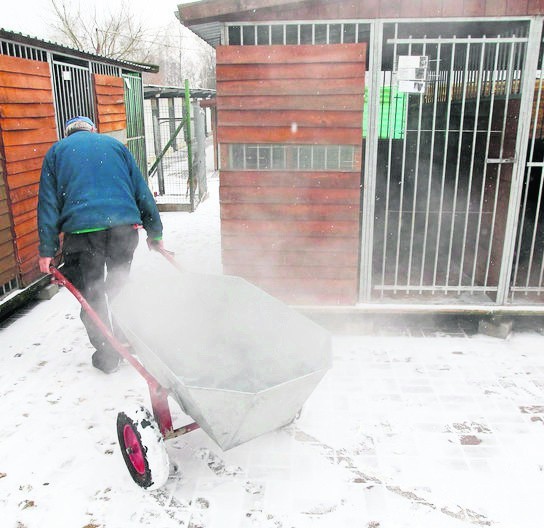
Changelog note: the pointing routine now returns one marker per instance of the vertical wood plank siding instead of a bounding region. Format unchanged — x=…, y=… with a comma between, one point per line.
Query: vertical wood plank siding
x=110, y=103
x=28, y=129
x=295, y=233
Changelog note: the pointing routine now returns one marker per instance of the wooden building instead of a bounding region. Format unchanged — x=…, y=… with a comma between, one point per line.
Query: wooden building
x=41, y=85
x=381, y=152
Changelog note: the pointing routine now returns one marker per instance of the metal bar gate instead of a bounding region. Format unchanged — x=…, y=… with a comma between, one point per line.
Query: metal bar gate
x=527, y=282
x=177, y=152
x=72, y=85
x=445, y=165
x=134, y=105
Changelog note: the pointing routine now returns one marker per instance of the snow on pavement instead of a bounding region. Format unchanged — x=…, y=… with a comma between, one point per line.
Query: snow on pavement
x=441, y=431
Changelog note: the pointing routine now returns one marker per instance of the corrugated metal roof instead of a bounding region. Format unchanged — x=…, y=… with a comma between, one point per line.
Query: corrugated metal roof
x=205, y=18
x=55, y=47
x=151, y=91
x=205, y=11
x=210, y=33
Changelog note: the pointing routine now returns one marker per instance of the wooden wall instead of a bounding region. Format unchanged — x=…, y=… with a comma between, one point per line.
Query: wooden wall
x=110, y=103
x=28, y=129
x=293, y=233
x=8, y=265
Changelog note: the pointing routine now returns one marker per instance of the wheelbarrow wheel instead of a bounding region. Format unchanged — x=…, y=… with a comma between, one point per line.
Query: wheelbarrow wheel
x=142, y=447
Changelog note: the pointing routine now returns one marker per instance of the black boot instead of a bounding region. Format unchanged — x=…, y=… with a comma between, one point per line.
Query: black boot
x=106, y=362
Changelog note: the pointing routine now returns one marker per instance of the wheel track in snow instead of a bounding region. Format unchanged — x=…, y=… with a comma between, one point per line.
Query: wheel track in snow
x=344, y=458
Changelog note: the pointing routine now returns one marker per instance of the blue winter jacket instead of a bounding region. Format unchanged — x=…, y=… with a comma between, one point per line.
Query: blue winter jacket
x=91, y=181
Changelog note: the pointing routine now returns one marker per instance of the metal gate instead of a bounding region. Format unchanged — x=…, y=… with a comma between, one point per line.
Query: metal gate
x=134, y=105
x=441, y=212
x=527, y=282
x=72, y=85
x=176, y=148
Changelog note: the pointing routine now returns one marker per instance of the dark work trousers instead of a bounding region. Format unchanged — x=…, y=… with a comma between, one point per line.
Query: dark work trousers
x=98, y=265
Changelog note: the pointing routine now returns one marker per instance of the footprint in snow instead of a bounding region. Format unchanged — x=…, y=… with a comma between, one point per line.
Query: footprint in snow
x=217, y=465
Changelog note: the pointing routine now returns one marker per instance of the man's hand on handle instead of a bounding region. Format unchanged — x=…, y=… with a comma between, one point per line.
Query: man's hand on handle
x=45, y=264
x=156, y=245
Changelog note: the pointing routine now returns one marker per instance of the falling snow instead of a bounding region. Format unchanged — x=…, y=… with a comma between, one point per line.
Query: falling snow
x=441, y=430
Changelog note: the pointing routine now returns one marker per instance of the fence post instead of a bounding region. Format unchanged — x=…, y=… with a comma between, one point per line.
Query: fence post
x=200, y=152
x=188, y=141
x=527, y=107
x=172, y=122
x=157, y=141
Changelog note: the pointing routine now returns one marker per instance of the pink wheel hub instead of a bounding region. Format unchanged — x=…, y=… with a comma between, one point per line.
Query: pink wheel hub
x=134, y=450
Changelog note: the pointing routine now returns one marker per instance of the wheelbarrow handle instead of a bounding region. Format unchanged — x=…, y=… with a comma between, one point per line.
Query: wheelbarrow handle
x=157, y=393
x=61, y=279
x=170, y=257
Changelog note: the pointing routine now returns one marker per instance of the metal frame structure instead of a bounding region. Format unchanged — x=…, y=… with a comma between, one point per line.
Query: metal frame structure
x=134, y=104
x=176, y=122
x=296, y=32
x=71, y=73
x=79, y=66
x=408, y=273
x=527, y=279
x=470, y=82
x=72, y=85
x=480, y=236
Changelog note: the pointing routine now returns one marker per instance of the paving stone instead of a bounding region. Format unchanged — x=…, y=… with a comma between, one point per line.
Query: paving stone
x=496, y=327
x=48, y=292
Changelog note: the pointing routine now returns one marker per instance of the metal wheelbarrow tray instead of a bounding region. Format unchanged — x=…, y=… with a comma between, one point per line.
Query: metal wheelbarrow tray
x=237, y=361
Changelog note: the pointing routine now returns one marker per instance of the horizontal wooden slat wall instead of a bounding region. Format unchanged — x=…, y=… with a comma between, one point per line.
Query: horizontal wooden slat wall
x=295, y=233
x=110, y=103
x=8, y=264
x=28, y=129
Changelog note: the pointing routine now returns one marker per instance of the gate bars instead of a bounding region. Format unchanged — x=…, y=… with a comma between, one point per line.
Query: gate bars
x=73, y=92
x=441, y=203
x=134, y=104
x=528, y=266
x=177, y=174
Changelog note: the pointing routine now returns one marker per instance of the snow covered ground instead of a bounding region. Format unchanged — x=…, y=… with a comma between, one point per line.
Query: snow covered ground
x=444, y=431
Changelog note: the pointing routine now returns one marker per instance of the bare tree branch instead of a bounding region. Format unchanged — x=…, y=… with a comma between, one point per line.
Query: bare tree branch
x=115, y=34
x=118, y=34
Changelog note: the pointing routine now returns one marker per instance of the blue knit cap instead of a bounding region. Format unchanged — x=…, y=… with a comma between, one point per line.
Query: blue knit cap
x=79, y=123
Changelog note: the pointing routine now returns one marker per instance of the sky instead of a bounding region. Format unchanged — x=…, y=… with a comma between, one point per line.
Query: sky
x=32, y=17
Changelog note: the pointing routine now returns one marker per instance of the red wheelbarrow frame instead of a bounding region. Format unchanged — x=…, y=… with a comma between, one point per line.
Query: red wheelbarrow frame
x=158, y=394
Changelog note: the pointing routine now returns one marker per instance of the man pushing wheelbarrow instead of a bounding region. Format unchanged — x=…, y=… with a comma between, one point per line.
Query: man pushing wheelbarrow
x=239, y=362
x=93, y=192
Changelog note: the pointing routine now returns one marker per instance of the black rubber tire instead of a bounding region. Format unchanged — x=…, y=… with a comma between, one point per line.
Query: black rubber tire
x=152, y=472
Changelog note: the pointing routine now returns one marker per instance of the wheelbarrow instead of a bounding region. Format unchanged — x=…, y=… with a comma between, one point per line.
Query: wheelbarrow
x=237, y=361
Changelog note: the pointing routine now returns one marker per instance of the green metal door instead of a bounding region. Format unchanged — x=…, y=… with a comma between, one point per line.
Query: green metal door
x=134, y=104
